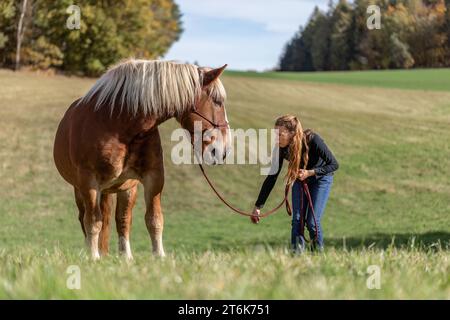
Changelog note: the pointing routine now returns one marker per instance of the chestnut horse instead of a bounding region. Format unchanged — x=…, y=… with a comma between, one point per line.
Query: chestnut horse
x=108, y=141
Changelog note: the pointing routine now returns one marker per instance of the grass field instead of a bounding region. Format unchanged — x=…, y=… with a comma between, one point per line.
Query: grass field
x=426, y=79
x=389, y=204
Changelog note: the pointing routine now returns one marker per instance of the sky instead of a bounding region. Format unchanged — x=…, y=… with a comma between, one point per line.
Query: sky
x=245, y=34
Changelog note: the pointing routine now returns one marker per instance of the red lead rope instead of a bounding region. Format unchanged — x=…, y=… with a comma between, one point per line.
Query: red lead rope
x=266, y=214
x=302, y=219
x=263, y=215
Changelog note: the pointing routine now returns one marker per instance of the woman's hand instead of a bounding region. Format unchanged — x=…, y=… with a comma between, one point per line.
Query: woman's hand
x=255, y=218
x=304, y=174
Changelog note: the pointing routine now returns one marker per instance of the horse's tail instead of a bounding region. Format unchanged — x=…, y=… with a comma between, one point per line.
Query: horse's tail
x=106, y=205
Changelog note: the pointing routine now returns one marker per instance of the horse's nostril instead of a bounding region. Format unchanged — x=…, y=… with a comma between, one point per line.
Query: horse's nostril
x=213, y=153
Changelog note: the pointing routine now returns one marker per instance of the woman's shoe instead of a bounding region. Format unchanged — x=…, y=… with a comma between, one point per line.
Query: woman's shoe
x=299, y=246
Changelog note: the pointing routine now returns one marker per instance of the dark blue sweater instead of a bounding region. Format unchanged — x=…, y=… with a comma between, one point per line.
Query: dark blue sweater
x=321, y=159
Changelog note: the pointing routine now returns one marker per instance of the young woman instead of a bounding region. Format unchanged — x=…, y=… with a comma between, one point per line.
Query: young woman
x=309, y=159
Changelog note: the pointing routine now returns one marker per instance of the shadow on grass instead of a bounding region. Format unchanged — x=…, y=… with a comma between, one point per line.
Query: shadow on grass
x=397, y=240
x=424, y=241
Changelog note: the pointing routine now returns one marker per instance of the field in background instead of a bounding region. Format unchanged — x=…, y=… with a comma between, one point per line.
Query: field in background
x=389, y=204
x=425, y=79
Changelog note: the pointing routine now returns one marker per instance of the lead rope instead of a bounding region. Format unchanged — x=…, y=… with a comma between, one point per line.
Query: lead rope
x=262, y=215
x=266, y=214
x=305, y=189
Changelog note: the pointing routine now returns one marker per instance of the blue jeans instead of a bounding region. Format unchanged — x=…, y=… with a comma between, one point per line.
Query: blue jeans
x=319, y=189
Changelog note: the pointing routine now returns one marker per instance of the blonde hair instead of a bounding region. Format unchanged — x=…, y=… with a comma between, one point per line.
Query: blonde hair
x=151, y=87
x=299, y=146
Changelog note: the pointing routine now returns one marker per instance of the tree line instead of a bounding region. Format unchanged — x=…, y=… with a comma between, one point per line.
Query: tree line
x=413, y=34
x=45, y=34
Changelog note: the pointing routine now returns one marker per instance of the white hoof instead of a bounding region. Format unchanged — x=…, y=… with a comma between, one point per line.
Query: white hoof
x=159, y=254
x=125, y=248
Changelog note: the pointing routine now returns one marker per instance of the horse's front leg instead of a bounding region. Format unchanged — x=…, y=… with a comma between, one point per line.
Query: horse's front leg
x=153, y=184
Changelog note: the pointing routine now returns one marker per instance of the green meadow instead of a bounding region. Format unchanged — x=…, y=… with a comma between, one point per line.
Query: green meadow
x=424, y=79
x=389, y=205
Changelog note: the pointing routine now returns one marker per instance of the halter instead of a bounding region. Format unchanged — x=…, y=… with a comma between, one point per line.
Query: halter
x=215, y=125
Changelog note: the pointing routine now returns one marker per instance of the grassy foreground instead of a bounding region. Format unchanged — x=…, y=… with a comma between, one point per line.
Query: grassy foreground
x=254, y=274
x=389, y=204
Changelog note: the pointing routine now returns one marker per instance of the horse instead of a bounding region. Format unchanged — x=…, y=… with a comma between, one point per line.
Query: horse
x=108, y=142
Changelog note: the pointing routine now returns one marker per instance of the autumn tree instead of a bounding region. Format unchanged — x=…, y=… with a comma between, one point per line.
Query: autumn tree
x=108, y=31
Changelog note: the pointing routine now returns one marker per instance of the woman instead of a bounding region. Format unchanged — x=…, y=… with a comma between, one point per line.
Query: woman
x=309, y=159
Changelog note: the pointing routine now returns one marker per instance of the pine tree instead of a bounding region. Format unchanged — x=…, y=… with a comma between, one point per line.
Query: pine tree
x=341, y=36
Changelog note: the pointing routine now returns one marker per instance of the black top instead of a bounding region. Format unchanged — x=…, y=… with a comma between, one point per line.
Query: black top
x=321, y=159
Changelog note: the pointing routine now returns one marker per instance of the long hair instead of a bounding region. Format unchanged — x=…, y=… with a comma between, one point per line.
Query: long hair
x=299, y=146
x=150, y=87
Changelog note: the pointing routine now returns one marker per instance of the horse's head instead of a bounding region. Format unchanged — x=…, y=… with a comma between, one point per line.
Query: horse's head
x=207, y=122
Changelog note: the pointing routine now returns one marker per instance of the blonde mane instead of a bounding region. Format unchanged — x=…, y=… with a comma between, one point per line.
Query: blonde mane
x=151, y=87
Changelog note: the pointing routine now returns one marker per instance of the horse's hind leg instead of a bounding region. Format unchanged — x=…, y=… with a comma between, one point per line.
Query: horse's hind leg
x=125, y=203
x=106, y=202
x=80, y=205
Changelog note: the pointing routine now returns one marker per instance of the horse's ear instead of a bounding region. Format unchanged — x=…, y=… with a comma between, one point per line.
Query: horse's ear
x=210, y=76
